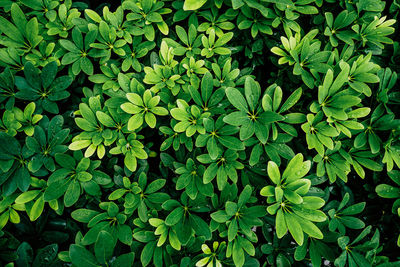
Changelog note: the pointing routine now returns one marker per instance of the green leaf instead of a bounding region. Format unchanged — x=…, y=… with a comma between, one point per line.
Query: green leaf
x=286, y=2
x=387, y=191
x=93, y=15
x=193, y=4
x=124, y=260
x=82, y=257
x=220, y=216
x=206, y=86
x=48, y=74
x=352, y=222
x=293, y=166
x=23, y=179
x=274, y=173
x=237, y=99
x=72, y=194
x=27, y=196
x=104, y=247
x=10, y=30
x=354, y=209
x=37, y=209
x=236, y=118
x=280, y=224
x=83, y=215
x=292, y=197
x=247, y=130
x=155, y=186
x=86, y=65
x=80, y=144
x=70, y=46
x=345, y=101
x=244, y=196
x=18, y=17
x=147, y=253
x=291, y=100
x=210, y=173
x=105, y=119
x=174, y=217
x=231, y=208
x=125, y=234
x=200, y=226
x=270, y=117
x=309, y=214
x=311, y=229
x=130, y=162
x=252, y=92
x=174, y=241
x=342, y=77
x=232, y=230
x=231, y=142
x=212, y=148
x=294, y=228
x=135, y=122
x=150, y=119
x=238, y=255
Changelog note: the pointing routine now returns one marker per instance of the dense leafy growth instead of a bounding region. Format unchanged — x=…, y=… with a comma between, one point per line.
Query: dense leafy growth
x=199, y=133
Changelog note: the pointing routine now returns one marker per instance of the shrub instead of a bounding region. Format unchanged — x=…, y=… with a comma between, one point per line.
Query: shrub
x=199, y=133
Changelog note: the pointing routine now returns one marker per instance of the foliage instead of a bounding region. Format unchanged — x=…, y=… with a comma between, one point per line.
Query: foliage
x=199, y=133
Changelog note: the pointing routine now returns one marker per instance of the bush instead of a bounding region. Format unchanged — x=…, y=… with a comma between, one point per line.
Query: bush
x=199, y=133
